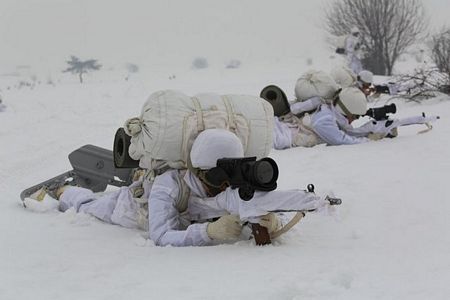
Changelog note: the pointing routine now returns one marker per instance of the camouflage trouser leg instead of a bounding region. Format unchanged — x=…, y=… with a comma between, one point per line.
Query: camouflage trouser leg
x=117, y=207
x=306, y=138
x=355, y=64
x=282, y=138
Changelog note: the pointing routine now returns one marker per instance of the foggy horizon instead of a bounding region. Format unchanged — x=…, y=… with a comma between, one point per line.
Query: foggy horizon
x=43, y=34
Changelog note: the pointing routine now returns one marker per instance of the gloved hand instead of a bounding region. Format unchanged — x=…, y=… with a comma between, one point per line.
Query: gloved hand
x=227, y=227
x=138, y=174
x=393, y=133
x=375, y=136
x=271, y=222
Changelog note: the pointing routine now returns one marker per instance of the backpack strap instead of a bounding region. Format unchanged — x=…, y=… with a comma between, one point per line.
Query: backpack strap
x=230, y=113
x=184, y=193
x=344, y=108
x=181, y=203
x=199, y=112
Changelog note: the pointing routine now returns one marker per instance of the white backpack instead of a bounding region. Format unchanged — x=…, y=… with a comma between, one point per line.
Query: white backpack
x=343, y=76
x=316, y=84
x=162, y=136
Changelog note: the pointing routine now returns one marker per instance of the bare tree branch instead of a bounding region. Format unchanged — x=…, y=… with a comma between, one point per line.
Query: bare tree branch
x=440, y=50
x=388, y=27
x=422, y=84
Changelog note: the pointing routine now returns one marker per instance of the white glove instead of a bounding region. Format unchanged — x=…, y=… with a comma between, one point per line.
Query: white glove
x=271, y=222
x=225, y=228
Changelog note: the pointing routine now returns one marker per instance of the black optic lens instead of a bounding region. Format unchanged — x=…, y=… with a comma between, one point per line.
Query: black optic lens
x=391, y=108
x=263, y=172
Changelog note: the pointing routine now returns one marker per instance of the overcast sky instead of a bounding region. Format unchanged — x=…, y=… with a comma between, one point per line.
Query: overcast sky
x=45, y=32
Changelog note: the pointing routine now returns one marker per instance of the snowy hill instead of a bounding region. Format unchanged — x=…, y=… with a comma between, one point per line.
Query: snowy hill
x=390, y=240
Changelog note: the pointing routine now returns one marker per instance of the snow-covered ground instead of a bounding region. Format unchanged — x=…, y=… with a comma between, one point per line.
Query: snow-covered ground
x=390, y=240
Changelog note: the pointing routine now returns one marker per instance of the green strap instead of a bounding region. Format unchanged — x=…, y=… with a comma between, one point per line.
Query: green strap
x=183, y=196
x=344, y=109
x=230, y=113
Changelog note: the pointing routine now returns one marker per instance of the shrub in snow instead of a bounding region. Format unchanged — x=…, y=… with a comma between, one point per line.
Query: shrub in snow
x=422, y=84
x=199, y=63
x=23, y=83
x=440, y=50
x=233, y=64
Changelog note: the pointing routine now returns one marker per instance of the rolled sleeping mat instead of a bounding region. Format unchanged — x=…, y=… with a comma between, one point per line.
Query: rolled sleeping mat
x=122, y=142
x=277, y=98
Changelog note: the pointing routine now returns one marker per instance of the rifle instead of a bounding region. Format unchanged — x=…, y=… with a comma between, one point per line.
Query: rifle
x=381, y=123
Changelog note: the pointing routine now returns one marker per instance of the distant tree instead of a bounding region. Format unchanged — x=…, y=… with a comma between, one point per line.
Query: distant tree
x=233, y=64
x=440, y=50
x=200, y=63
x=76, y=66
x=132, y=68
x=388, y=28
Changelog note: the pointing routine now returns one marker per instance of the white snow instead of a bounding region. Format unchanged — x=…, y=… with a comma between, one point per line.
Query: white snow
x=391, y=240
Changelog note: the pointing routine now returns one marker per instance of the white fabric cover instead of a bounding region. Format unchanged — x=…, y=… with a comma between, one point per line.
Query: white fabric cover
x=366, y=76
x=282, y=135
x=311, y=104
x=213, y=144
x=170, y=121
x=315, y=83
x=353, y=54
x=343, y=76
x=354, y=100
x=341, y=41
x=333, y=128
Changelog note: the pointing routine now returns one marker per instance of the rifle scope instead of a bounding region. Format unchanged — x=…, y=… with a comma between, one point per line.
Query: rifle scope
x=380, y=113
x=247, y=174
